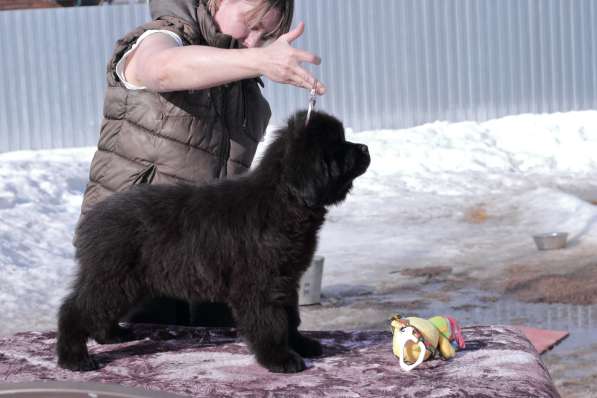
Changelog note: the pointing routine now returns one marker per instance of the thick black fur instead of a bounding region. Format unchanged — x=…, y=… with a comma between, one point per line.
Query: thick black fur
x=244, y=241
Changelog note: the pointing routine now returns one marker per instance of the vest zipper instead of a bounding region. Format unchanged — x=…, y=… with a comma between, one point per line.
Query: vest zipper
x=242, y=88
x=225, y=151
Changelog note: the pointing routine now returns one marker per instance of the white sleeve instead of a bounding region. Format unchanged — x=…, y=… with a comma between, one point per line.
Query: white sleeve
x=122, y=61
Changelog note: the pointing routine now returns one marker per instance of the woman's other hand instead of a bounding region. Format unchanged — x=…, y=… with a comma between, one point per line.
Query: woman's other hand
x=282, y=63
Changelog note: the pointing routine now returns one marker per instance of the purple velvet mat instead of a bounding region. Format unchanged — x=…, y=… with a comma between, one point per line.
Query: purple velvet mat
x=498, y=362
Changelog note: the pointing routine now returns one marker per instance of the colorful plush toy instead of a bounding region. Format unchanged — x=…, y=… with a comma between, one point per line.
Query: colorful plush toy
x=417, y=339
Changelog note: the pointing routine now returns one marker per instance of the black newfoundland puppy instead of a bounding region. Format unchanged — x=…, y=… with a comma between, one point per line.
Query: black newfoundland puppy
x=244, y=241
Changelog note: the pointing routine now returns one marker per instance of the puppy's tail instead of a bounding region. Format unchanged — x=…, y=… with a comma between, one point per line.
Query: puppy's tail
x=71, y=344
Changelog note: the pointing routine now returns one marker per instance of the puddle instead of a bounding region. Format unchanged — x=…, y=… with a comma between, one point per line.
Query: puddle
x=571, y=363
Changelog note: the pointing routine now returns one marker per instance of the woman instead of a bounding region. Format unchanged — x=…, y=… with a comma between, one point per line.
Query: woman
x=183, y=104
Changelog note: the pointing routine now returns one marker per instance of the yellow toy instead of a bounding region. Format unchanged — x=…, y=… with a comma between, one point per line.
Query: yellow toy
x=416, y=339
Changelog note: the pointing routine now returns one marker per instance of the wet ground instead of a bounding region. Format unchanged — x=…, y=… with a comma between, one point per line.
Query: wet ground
x=550, y=302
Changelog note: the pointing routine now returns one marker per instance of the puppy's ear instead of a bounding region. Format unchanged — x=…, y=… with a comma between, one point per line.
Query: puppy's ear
x=306, y=189
x=312, y=202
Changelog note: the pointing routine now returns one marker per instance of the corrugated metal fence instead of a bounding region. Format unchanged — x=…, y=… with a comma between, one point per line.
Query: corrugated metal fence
x=387, y=63
x=52, y=73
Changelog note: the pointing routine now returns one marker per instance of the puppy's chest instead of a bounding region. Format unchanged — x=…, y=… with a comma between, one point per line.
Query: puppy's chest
x=301, y=232
x=283, y=288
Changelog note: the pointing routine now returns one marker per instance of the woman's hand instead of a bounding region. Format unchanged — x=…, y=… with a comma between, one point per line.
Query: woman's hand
x=281, y=62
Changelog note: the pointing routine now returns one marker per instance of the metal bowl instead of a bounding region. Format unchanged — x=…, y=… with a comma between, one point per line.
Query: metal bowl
x=551, y=241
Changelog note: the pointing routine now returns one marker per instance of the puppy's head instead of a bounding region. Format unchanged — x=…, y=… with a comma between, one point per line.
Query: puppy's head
x=319, y=164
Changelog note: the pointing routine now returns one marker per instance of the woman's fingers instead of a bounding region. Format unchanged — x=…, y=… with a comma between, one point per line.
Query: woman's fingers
x=305, y=56
x=294, y=33
x=289, y=59
x=321, y=88
x=305, y=80
x=301, y=55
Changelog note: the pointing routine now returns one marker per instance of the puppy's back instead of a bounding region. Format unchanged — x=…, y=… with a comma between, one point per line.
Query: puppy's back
x=126, y=218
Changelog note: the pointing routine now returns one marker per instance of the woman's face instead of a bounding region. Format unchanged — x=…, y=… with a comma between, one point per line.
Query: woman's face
x=232, y=20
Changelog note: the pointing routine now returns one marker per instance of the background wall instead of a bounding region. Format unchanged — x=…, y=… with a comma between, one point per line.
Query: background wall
x=387, y=63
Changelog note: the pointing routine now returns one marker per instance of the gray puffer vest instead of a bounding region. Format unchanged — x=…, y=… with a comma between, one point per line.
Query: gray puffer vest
x=185, y=136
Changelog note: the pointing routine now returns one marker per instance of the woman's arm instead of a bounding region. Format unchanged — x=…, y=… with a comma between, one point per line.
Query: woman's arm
x=160, y=65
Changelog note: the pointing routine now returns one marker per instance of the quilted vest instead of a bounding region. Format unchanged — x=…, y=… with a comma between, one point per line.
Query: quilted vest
x=185, y=136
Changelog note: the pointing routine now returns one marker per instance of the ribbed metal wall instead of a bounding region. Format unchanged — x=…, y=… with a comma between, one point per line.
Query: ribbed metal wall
x=387, y=63
x=52, y=73
x=399, y=63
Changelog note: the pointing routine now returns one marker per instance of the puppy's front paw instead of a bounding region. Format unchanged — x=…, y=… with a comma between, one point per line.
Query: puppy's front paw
x=305, y=346
x=290, y=362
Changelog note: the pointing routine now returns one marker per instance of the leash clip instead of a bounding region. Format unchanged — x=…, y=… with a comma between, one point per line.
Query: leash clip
x=312, y=102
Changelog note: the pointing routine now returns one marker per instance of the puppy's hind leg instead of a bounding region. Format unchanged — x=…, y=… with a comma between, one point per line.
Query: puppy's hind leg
x=109, y=305
x=113, y=333
x=71, y=345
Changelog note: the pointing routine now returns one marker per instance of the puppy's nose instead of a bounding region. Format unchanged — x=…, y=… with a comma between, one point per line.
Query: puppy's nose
x=364, y=148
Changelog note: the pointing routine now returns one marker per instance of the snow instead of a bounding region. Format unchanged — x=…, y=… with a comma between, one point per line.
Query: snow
x=446, y=194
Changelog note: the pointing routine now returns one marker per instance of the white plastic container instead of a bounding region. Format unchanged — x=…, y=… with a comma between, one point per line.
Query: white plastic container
x=310, y=286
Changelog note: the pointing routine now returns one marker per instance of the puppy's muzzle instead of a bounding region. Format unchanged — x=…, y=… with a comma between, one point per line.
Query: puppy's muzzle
x=363, y=159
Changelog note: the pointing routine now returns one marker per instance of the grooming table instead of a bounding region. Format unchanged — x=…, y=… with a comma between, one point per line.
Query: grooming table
x=199, y=362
